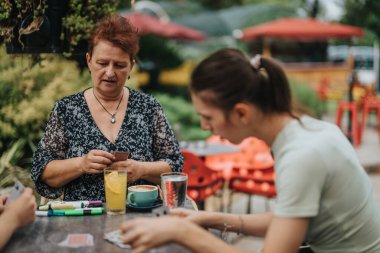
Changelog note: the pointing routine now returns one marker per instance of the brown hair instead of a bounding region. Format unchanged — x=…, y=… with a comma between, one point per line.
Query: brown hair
x=117, y=30
x=231, y=78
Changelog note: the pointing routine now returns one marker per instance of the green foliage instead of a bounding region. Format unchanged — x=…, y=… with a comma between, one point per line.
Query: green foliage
x=363, y=13
x=82, y=17
x=158, y=50
x=9, y=171
x=182, y=117
x=306, y=99
x=27, y=95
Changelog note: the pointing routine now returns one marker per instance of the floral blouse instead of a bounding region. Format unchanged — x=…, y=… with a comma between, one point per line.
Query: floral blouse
x=72, y=132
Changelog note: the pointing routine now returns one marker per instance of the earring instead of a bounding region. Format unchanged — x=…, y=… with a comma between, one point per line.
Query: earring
x=129, y=77
x=89, y=71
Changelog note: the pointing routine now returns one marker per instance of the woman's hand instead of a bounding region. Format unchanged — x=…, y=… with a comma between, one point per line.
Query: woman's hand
x=21, y=211
x=198, y=217
x=134, y=169
x=95, y=161
x=146, y=233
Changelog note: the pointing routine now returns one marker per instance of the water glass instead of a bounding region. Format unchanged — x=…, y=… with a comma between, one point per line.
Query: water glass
x=174, y=186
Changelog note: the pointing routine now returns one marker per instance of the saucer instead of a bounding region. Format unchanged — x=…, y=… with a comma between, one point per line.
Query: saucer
x=156, y=204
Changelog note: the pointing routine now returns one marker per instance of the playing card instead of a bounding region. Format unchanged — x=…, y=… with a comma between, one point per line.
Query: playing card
x=114, y=237
x=160, y=211
x=120, y=155
x=77, y=240
x=15, y=192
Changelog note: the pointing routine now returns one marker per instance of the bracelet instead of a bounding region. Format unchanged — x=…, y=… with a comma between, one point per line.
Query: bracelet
x=225, y=230
x=241, y=226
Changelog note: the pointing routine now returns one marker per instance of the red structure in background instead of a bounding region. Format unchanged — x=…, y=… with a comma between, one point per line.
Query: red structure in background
x=300, y=29
x=147, y=24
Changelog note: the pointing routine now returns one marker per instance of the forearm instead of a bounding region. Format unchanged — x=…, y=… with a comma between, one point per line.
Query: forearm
x=8, y=226
x=200, y=240
x=153, y=170
x=57, y=173
x=252, y=224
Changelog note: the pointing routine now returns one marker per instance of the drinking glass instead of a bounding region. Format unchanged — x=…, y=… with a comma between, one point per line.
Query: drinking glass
x=115, y=185
x=174, y=186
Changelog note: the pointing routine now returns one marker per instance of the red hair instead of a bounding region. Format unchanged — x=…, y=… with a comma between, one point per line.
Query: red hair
x=117, y=30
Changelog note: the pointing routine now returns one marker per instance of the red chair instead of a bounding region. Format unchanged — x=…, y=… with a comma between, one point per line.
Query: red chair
x=370, y=103
x=352, y=107
x=202, y=181
x=253, y=154
x=249, y=171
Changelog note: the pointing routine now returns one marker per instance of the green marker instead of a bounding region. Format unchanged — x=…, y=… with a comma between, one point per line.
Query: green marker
x=88, y=211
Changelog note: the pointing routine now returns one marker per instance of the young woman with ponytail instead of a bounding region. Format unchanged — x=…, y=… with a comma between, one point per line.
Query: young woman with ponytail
x=324, y=196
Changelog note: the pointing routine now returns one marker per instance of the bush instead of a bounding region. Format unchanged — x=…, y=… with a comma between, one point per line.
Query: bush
x=182, y=117
x=306, y=100
x=27, y=95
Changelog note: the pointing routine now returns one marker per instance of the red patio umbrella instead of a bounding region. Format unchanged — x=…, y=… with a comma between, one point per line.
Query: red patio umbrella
x=147, y=24
x=300, y=29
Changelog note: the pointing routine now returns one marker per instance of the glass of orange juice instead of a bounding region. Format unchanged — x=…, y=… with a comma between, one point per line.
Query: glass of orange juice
x=115, y=185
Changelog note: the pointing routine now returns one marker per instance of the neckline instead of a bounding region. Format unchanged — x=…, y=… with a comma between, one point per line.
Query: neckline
x=91, y=118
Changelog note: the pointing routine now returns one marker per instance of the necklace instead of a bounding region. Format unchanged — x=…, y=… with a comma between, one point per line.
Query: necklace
x=113, y=119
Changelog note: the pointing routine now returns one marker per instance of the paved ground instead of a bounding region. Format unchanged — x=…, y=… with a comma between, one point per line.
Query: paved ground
x=369, y=155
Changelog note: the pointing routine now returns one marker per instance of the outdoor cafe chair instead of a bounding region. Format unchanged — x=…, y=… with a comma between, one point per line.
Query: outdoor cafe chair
x=250, y=171
x=202, y=181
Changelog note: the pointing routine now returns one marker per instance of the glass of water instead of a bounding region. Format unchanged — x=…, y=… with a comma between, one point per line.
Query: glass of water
x=174, y=186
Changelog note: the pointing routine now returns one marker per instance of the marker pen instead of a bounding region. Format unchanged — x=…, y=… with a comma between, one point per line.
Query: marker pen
x=86, y=211
x=50, y=213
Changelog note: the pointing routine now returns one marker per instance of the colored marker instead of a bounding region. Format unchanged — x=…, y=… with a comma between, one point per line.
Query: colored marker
x=64, y=205
x=86, y=211
x=50, y=213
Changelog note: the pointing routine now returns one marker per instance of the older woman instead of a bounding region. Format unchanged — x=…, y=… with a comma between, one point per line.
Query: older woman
x=324, y=196
x=85, y=128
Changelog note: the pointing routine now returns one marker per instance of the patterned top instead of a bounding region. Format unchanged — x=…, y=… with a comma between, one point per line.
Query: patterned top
x=72, y=132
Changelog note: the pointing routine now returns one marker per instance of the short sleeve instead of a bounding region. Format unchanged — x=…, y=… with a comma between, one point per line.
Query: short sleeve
x=51, y=147
x=166, y=147
x=299, y=183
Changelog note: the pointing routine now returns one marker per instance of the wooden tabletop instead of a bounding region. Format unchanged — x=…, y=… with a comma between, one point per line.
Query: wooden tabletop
x=46, y=233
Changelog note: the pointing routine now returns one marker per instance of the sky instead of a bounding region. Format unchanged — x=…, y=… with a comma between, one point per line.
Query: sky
x=333, y=8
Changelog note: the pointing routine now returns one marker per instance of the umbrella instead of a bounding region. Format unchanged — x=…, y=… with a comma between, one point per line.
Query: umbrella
x=147, y=24
x=300, y=29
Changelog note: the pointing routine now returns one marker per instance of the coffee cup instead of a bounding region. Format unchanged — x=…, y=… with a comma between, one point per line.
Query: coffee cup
x=142, y=195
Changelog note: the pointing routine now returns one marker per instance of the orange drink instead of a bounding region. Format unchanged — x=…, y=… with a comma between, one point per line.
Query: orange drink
x=115, y=185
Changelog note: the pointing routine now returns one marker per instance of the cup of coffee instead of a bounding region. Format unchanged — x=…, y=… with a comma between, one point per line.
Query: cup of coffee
x=142, y=195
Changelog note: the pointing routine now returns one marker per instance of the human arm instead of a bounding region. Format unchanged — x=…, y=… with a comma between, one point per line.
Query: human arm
x=57, y=173
x=16, y=214
x=250, y=224
x=147, y=233
x=51, y=167
x=285, y=235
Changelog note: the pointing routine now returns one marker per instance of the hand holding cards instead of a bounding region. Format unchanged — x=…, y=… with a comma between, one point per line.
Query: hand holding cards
x=16, y=191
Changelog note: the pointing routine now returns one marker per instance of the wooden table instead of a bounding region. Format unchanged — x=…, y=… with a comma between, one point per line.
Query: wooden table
x=46, y=232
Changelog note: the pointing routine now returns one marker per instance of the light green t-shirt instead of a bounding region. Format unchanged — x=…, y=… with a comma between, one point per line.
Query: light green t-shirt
x=318, y=175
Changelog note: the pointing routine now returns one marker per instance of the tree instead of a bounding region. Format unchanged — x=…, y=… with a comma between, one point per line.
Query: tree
x=363, y=13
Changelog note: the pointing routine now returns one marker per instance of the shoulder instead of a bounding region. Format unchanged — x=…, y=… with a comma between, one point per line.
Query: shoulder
x=143, y=99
